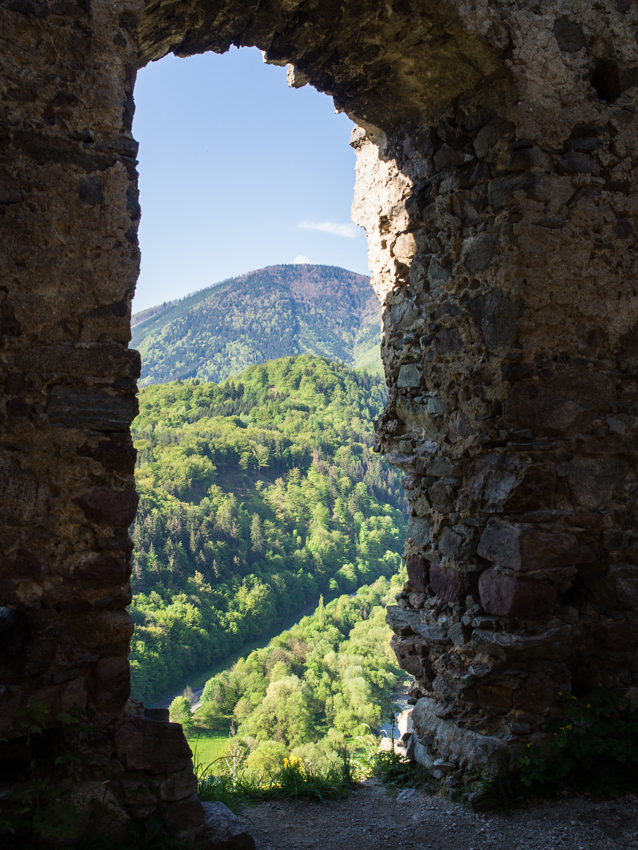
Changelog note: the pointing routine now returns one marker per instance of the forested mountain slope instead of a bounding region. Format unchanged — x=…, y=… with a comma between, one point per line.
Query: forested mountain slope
x=266, y=314
x=256, y=495
x=328, y=677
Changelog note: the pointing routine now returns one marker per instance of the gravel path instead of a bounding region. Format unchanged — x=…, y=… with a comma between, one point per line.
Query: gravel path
x=371, y=819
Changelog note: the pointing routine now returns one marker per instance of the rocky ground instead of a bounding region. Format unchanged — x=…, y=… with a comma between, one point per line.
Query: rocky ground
x=372, y=819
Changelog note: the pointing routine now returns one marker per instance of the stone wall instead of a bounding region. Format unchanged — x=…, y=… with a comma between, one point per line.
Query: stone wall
x=496, y=181
x=503, y=232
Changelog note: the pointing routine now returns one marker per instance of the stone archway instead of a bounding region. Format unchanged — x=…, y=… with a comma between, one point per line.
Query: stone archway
x=496, y=182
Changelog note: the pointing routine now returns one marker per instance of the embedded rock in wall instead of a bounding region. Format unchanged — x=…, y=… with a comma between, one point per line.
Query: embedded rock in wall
x=496, y=182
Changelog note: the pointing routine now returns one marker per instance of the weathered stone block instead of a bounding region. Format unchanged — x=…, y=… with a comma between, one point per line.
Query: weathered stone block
x=529, y=159
x=562, y=402
x=112, y=683
x=149, y=745
x=223, y=829
x=413, y=658
x=420, y=530
x=409, y=376
x=447, y=341
x=497, y=317
x=457, y=744
x=450, y=543
x=18, y=492
x=185, y=814
x=98, y=360
x=179, y=786
x=418, y=572
x=506, y=482
x=582, y=163
x=91, y=410
x=162, y=714
x=616, y=637
x=100, y=628
x=555, y=643
x=112, y=454
x=478, y=251
x=116, y=508
x=545, y=188
x=507, y=596
x=415, y=416
x=402, y=622
x=524, y=548
x=593, y=480
x=445, y=582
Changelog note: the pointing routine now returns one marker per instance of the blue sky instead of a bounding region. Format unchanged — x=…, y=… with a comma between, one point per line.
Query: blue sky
x=237, y=172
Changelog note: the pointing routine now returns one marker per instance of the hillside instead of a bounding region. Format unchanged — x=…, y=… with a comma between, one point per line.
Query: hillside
x=257, y=495
x=274, y=312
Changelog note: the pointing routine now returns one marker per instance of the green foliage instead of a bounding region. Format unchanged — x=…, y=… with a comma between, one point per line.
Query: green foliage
x=501, y=791
x=291, y=779
x=180, y=712
x=256, y=495
x=267, y=314
x=594, y=748
x=323, y=681
x=149, y=834
x=398, y=771
x=35, y=812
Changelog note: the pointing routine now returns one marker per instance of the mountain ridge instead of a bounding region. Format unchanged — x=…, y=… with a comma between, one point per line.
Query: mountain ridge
x=278, y=311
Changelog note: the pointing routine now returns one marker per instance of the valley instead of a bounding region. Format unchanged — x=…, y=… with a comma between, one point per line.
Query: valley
x=257, y=495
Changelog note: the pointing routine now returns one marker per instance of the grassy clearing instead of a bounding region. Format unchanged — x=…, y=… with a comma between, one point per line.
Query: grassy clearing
x=207, y=744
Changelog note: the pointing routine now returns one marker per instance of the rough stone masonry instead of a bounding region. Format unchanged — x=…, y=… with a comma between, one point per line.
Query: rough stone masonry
x=496, y=180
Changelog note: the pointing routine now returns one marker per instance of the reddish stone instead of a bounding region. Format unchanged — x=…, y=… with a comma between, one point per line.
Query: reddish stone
x=116, y=508
x=417, y=573
x=445, y=582
x=450, y=543
x=151, y=745
x=507, y=596
x=524, y=548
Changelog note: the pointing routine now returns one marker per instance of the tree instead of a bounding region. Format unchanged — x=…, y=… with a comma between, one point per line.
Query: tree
x=256, y=534
x=180, y=712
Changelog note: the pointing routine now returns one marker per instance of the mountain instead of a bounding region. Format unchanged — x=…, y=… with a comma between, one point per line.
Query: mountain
x=256, y=495
x=274, y=312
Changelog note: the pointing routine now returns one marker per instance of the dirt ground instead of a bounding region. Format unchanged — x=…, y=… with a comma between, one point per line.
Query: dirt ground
x=372, y=819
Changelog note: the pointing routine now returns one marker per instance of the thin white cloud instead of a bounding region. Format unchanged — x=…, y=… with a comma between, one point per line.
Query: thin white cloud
x=348, y=231
x=300, y=259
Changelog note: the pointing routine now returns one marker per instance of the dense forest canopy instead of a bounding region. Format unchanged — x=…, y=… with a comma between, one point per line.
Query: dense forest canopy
x=257, y=495
x=266, y=314
x=327, y=679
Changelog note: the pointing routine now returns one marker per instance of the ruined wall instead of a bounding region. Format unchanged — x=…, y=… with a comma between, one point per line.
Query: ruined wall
x=496, y=184
x=503, y=230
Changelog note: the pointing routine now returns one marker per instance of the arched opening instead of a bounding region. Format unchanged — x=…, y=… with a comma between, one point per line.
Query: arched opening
x=497, y=192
